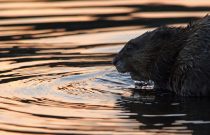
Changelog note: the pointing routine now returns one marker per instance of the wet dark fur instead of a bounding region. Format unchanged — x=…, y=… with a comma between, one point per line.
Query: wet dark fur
x=174, y=58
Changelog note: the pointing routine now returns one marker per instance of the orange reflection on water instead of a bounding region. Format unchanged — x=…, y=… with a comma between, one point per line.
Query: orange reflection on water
x=56, y=75
x=15, y=28
x=83, y=11
x=169, y=14
x=46, y=20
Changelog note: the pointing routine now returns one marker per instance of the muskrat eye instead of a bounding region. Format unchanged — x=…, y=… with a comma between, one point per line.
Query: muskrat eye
x=128, y=54
x=130, y=46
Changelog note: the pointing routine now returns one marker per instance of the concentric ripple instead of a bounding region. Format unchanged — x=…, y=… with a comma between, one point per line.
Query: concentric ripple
x=56, y=75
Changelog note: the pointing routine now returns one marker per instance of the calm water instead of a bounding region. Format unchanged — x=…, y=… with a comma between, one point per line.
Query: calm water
x=56, y=75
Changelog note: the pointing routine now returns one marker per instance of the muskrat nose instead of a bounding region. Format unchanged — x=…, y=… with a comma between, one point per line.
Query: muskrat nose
x=120, y=66
x=114, y=61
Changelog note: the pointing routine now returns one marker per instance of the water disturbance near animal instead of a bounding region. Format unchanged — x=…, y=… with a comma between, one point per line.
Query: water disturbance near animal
x=56, y=75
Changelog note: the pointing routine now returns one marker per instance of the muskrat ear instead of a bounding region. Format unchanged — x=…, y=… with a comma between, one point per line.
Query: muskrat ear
x=163, y=33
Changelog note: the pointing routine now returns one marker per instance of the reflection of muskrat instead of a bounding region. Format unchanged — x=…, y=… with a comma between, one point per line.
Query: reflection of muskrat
x=174, y=58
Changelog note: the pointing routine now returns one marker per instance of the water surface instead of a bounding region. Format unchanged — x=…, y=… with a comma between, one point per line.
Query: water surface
x=56, y=75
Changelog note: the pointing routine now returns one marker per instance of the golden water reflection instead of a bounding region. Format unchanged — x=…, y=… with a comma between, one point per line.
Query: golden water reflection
x=56, y=75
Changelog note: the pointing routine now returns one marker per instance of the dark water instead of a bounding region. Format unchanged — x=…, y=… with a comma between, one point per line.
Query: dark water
x=56, y=75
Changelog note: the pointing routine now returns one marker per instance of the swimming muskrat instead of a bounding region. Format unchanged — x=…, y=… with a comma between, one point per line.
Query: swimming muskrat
x=175, y=58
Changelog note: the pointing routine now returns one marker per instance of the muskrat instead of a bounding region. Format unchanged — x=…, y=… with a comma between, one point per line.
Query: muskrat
x=175, y=58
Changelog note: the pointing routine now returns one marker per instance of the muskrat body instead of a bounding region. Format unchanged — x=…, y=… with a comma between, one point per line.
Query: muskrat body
x=175, y=58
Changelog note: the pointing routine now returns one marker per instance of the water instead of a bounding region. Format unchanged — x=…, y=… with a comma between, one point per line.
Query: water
x=56, y=75
x=144, y=84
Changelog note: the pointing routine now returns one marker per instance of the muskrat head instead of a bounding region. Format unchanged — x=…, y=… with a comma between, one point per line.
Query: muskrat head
x=144, y=57
x=133, y=58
